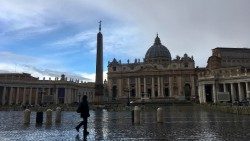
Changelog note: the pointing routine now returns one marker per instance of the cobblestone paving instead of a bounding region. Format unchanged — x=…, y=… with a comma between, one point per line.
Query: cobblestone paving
x=180, y=123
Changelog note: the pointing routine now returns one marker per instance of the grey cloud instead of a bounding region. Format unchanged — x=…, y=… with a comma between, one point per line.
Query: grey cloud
x=53, y=73
x=191, y=26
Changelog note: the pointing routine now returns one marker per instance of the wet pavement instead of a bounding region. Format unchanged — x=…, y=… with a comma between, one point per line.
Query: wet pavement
x=180, y=123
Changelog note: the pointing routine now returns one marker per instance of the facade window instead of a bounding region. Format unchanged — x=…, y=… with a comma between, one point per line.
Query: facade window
x=186, y=65
x=114, y=68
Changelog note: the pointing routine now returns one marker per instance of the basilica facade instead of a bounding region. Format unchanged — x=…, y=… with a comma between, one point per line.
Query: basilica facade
x=158, y=76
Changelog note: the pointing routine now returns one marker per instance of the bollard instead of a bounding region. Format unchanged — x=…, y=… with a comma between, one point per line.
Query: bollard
x=49, y=117
x=58, y=115
x=137, y=115
x=26, y=117
x=159, y=115
x=39, y=117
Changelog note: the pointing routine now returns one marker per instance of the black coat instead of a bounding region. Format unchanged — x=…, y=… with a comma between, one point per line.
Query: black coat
x=83, y=109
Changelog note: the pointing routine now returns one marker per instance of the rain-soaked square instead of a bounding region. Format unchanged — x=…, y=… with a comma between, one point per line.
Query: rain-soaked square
x=179, y=123
x=124, y=70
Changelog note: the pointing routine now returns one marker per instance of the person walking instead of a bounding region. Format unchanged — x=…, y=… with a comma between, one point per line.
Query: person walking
x=83, y=109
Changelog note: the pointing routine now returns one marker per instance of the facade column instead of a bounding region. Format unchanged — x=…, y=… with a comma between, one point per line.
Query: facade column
x=203, y=93
x=200, y=94
x=248, y=91
x=4, y=94
x=128, y=83
x=153, y=88
x=214, y=93
x=120, y=89
x=162, y=87
x=11, y=96
x=193, y=86
x=144, y=85
x=240, y=92
x=139, y=87
x=232, y=92
x=30, y=95
x=17, y=95
x=158, y=86
x=224, y=87
x=170, y=87
x=24, y=95
x=36, y=98
x=180, y=87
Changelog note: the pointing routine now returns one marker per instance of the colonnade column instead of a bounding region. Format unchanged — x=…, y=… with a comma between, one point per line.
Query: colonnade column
x=153, y=87
x=139, y=87
x=66, y=95
x=240, y=92
x=70, y=95
x=248, y=91
x=158, y=85
x=128, y=83
x=36, y=98
x=43, y=94
x=232, y=92
x=4, y=94
x=17, y=95
x=56, y=96
x=24, y=95
x=136, y=87
x=30, y=95
x=11, y=96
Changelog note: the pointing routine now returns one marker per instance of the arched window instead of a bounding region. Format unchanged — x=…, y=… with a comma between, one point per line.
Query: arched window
x=186, y=65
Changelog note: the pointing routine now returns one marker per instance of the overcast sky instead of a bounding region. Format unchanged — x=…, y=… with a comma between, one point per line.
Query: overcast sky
x=49, y=37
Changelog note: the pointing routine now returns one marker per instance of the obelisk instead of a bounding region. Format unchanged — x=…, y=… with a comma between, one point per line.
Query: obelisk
x=99, y=67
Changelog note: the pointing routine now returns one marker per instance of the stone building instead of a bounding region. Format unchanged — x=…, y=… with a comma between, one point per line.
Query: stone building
x=23, y=89
x=226, y=77
x=158, y=76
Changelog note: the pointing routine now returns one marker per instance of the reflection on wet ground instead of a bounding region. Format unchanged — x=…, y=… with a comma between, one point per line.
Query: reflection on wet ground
x=180, y=123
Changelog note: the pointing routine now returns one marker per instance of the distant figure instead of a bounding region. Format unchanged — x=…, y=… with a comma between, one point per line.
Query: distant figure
x=83, y=109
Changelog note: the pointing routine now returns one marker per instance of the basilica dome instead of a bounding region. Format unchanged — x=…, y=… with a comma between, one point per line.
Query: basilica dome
x=157, y=53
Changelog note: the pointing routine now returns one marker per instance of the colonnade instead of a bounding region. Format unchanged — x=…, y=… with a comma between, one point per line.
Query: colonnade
x=156, y=85
x=238, y=91
x=10, y=95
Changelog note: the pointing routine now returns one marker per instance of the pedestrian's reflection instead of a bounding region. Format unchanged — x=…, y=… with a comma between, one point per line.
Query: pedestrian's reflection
x=79, y=139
